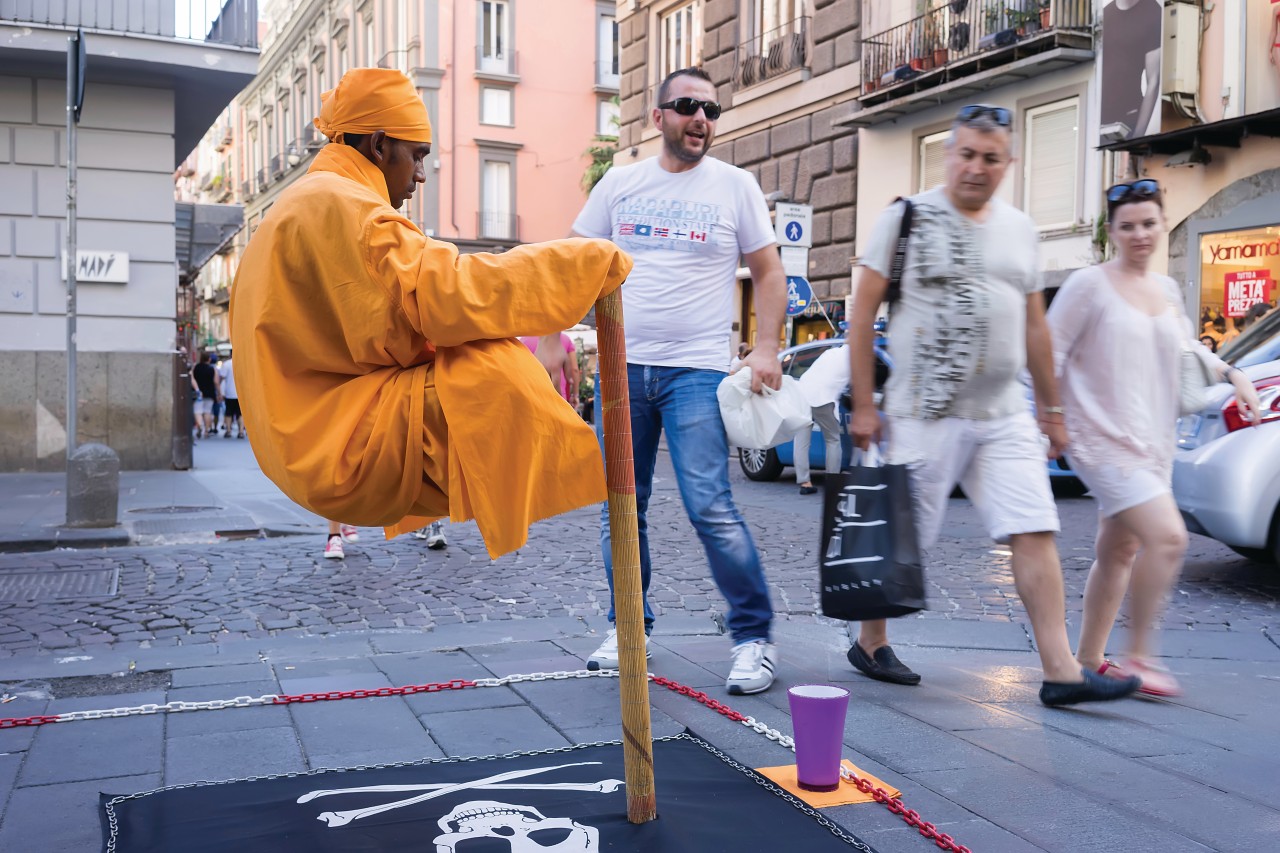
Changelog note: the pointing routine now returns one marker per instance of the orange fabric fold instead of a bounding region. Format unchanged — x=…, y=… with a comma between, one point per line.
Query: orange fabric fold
x=378, y=371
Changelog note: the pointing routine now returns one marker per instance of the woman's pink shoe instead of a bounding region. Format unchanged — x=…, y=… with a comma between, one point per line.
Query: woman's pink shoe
x=1156, y=679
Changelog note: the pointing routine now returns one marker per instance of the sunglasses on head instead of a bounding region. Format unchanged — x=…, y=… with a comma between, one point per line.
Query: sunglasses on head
x=1143, y=189
x=973, y=112
x=690, y=106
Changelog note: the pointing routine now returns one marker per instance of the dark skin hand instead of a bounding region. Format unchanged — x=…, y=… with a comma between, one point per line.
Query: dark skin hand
x=400, y=162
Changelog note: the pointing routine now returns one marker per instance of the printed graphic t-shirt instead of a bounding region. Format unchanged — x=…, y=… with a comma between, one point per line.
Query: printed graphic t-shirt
x=686, y=231
x=957, y=335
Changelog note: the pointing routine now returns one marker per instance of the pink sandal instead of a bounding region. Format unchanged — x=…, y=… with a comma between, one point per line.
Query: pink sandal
x=1156, y=679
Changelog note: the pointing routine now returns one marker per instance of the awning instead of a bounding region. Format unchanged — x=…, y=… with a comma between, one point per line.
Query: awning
x=202, y=230
x=1227, y=133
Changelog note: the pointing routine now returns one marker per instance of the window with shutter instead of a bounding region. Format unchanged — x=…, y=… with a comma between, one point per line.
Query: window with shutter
x=933, y=169
x=1052, y=164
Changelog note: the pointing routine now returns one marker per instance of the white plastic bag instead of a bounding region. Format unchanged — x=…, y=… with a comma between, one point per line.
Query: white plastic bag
x=761, y=421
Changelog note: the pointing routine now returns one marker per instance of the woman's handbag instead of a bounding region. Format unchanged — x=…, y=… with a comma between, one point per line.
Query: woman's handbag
x=869, y=564
x=761, y=421
x=1194, y=379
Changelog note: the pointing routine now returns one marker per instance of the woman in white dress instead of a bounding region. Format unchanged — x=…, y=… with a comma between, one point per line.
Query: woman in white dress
x=1118, y=333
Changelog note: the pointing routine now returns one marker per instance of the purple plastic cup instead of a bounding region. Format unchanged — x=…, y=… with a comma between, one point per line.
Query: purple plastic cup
x=817, y=719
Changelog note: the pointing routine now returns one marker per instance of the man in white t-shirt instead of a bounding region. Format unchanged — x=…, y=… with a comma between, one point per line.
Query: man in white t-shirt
x=970, y=317
x=686, y=219
x=231, y=412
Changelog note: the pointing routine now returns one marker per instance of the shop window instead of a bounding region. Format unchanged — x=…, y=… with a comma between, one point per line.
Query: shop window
x=497, y=105
x=1238, y=275
x=1051, y=163
x=933, y=167
x=681, y=45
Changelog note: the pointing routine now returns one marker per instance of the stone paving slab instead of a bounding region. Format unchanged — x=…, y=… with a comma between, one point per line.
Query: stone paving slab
x=228, y=754
x=63, y=817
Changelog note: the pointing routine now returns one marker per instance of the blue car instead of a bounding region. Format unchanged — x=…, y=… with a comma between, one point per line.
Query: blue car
x=767, y=465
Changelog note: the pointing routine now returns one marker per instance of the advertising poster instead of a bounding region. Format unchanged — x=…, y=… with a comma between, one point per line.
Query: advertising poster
x=1245, y=289
x=1131, y=39
x=1262, y=56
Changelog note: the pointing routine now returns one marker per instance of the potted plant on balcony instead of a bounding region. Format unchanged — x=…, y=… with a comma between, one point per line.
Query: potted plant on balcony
x=921, y=48
x=1046, y=14
x=933, y=38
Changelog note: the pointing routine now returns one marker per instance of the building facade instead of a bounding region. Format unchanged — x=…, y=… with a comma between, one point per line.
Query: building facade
x=1215, y=148
x=517, y=90
x=1038, y=59
x=158, y=73
x=784, y=70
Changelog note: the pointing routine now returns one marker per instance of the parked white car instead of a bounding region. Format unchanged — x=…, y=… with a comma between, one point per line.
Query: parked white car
x=1226, y=474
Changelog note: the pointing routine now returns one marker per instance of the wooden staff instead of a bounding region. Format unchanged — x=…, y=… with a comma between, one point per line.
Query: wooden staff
x=628, y=599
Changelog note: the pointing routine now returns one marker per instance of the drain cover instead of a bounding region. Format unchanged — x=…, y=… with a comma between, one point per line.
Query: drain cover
x=174, y=510
x=57, y=585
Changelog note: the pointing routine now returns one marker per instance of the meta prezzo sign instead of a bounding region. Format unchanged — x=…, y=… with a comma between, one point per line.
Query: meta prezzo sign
x=100, y=267
x=1244, y=289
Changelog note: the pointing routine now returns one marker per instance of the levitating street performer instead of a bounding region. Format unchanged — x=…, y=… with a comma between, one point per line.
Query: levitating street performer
x=381, y=378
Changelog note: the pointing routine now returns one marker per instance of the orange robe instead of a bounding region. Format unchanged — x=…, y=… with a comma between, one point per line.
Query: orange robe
x=378, y=371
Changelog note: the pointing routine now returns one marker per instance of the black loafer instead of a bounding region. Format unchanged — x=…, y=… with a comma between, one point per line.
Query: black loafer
x=1094, y=688
x=885, y=666
x=808, y=490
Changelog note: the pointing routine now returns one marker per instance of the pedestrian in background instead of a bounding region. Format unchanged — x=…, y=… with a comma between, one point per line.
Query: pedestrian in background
x=230, y=402
x=205, y=380
x=215, y=361
x=434, y=534
x=1119, y=331
x=822, y=384
x=687, y=219
x=556, y=354
x=969, y=319
x=339, y=533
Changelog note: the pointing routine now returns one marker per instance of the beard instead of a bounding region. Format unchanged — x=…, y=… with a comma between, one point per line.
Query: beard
x=678, y=149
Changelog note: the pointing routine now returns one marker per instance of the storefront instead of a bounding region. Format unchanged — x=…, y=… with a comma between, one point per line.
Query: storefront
x=821, y=320
x=1238, y=274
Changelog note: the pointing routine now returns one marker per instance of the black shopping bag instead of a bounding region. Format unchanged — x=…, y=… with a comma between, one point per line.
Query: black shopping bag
x=869, y=564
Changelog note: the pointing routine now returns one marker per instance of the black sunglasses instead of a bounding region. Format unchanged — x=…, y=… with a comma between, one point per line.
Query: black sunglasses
x=1143, y=189
x=690, y=106
x=973, y=112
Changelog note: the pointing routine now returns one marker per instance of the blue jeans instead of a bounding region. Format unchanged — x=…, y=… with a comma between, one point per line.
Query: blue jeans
x=683, y=401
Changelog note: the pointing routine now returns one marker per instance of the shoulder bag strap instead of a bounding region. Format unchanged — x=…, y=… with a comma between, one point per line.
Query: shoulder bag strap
x=900, y=253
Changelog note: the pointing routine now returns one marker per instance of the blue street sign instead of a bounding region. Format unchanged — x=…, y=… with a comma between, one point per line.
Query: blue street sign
x=799, y=294
x=794, y=232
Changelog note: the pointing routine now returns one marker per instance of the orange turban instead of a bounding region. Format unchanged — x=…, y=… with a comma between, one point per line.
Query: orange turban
x=369, y=99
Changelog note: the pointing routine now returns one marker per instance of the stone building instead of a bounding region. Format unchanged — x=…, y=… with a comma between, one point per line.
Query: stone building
x=784, y=71
x=158, y=74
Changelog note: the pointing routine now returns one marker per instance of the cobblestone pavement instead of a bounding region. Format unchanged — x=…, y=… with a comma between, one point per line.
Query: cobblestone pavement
x=233, y=590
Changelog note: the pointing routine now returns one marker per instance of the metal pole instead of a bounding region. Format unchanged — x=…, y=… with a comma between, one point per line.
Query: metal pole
x=73, y=48
x=620, y=474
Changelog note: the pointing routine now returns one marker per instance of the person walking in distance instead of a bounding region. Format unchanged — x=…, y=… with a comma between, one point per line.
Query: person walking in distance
x=822, y=384
x=204, y=378
x=686, y=219
x=231, y=403
x=1119, y=331
x=338, y=534
x=556, y=354
x=970, y=317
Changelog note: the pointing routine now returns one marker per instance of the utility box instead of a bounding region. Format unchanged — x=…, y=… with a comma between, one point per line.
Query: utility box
x=1180, y=54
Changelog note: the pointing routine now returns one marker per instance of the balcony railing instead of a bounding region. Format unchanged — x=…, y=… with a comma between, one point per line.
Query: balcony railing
x=504, y=64
x=773, y=53
x=498, y=226
x=959, y=37
x=607, y=76
x=229, y=22
x=278, y=165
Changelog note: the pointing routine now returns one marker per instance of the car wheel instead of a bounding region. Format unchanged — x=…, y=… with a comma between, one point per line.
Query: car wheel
x=760, y=465
x=1257, y=555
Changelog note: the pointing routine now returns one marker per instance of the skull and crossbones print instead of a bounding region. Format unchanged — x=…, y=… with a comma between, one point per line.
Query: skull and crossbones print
x=525, y=829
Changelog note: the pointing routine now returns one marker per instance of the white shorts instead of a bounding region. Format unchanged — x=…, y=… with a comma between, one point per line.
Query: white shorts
x=204, y=406
x=1115, y=490
x=999, y=463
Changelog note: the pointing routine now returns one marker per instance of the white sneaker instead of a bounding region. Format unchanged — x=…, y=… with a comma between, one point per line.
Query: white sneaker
x=348, y=531
x=420, y=533
x=333, y=549
x=435, y=536
x=606, y=657
x=753, y=665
